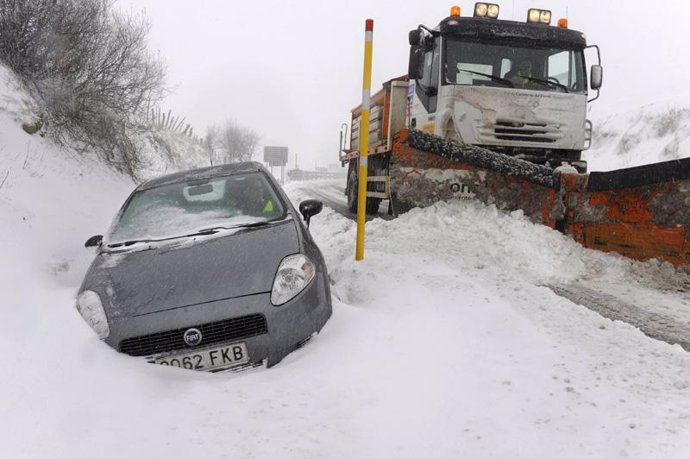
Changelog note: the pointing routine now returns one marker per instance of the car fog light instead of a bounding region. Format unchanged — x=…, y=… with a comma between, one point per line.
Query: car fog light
x=91, y=309
x=293, y=276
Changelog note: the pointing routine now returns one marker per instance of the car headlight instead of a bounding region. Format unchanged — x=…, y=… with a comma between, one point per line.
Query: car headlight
x=91, y=309
x=294, y=274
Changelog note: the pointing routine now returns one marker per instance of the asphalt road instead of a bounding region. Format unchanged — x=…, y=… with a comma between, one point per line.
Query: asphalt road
x=673, y=329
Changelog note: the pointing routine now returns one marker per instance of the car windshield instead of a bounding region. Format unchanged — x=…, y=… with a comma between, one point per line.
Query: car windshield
x=514, y=65
x=182, y=209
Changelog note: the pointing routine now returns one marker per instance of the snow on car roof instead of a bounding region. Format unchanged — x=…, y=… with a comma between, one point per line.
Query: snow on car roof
x=202, y=174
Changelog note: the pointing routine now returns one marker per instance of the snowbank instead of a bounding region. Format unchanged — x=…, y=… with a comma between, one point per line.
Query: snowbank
x=652, y=133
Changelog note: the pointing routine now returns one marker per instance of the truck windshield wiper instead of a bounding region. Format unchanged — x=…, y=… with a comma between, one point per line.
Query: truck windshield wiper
x=492, y=77
x=546, y=82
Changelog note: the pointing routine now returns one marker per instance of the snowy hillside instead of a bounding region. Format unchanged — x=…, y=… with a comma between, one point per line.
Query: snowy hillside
x=162, y=150
x=165, y=152
x=48, y=196
x=653, y=133
x=444, y=342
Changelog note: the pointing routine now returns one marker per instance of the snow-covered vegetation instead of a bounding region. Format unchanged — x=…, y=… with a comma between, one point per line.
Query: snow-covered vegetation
x=89, y=69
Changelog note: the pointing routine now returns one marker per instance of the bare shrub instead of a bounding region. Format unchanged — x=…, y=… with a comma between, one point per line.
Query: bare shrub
x=88, y=66
x=231, y=143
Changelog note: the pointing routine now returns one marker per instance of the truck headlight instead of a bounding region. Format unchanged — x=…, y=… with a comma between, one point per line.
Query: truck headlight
x=480, y=9
x=539, y=16
x=486, y=10
x=492, y=11
x=294, y=274
x=91, y=309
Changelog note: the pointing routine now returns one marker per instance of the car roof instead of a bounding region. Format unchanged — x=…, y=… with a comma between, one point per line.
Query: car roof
x=204, y=173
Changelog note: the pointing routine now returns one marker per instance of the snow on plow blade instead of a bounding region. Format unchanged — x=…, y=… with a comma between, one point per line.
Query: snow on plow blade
x=641, y=212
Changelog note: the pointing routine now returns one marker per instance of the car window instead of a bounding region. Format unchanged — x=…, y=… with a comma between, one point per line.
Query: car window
x=185, y=208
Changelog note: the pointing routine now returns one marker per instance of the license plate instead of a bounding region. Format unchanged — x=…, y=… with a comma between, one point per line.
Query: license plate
x=209, y=359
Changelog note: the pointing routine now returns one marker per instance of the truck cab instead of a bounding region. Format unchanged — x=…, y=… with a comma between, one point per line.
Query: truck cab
x=518, y=88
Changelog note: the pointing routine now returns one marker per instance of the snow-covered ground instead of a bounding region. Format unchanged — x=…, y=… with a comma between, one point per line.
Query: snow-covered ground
x=648, y=134
x=444, y=342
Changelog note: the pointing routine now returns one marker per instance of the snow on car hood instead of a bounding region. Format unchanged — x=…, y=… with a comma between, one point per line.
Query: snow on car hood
x=181, y=274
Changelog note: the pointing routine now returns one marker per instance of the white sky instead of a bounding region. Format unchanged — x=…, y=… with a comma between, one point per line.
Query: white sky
x=292, y=70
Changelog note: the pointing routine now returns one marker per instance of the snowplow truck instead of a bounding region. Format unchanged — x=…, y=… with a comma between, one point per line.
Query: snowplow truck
x=495, y=110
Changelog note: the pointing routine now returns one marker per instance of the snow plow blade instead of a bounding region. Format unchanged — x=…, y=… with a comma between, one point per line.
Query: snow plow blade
x=641, y=212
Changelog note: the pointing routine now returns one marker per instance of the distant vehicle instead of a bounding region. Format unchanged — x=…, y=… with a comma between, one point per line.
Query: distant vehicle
x=208, y=269
x=299, y=174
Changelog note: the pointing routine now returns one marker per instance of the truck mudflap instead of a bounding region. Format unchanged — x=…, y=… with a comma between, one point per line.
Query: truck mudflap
x=641, y=212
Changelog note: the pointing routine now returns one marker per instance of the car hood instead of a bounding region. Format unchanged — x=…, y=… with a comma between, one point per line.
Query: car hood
x=191, y=271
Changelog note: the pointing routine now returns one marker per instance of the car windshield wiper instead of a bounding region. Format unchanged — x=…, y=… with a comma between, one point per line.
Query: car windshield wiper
x=215, y=229
x=546, y=82
x=132, y=242
x=201, y=232
x=492, y=77
x=249, y=225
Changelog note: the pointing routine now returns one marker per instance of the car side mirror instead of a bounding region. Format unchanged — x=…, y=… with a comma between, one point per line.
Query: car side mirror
x=309, y=208
x=596, y=76
x=94, y=241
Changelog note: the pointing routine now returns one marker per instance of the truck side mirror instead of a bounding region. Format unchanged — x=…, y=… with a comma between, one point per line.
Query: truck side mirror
x=414, y=37
x=415, y=70
x=596, y=76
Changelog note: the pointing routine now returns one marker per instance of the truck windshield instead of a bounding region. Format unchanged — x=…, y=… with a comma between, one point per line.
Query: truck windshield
x=513, y=65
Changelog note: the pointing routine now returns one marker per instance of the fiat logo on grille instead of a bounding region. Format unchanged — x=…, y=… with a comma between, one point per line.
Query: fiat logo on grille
x=192, y=337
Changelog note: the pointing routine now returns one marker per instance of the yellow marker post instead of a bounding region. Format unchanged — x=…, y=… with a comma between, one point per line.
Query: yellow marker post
x=364, y=140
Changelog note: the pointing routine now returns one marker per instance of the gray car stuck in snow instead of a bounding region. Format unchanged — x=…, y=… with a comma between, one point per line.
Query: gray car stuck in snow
x=208, y=269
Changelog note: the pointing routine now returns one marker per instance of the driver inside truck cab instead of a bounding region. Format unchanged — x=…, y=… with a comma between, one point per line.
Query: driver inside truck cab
x=521, y=74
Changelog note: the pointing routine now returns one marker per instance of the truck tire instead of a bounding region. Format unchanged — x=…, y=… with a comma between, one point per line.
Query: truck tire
x=373, y=206
x=352, y=185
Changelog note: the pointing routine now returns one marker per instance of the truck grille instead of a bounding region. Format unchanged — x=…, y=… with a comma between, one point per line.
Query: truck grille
x=213, y=332
x=517, y=131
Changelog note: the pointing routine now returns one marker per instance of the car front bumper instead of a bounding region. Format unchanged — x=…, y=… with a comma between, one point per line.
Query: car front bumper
x=286, y=326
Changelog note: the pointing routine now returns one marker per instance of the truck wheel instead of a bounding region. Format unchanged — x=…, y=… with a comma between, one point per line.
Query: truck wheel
x=352, y=192
x=373, y=206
